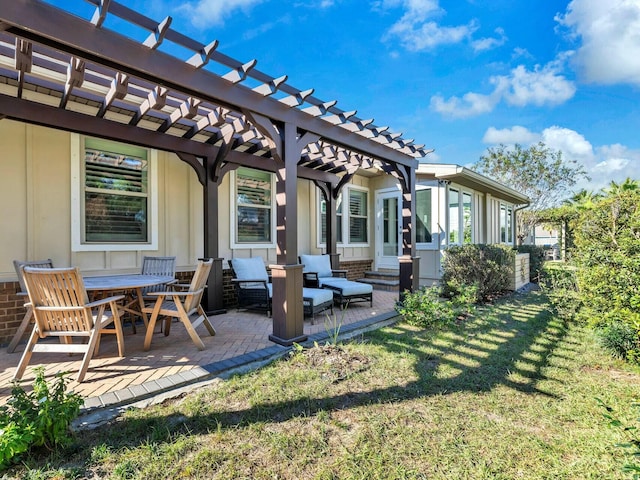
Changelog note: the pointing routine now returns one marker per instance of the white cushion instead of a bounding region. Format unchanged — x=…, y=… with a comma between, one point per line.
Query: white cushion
x=317, y=296
x=347, y=287
x=320, y=264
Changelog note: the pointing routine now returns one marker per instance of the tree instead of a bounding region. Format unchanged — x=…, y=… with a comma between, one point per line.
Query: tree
x=539, y=172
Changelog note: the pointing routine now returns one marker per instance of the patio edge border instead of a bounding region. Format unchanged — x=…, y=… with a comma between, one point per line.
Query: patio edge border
x=103, y=408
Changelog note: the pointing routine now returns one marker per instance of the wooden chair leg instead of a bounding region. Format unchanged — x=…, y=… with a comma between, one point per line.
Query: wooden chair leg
x=26, y=356
x=26, y=320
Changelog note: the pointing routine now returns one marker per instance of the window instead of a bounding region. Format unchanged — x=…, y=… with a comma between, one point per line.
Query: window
x=116, y=193
x=466, y=218
x=423, y=215
x=460, y=217
x=506, y=223
x=454, y=216
x=358, y=216
x=323, y=220
x=254, y=206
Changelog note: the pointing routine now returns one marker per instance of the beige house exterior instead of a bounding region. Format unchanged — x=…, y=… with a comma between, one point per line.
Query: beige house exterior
x=41, y=184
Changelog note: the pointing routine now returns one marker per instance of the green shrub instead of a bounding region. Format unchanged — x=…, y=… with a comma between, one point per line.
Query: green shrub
x=37, y=418
x=487, y=267
x=620, y=338
x=558, y=281
x=427, y=308
x=536, y=260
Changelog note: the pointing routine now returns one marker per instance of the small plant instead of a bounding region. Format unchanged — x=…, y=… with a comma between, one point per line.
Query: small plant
x=37, y=418
x=332, y=325
x=620, y=339
x=632, y=438
x=559, y=284
x=425, y=308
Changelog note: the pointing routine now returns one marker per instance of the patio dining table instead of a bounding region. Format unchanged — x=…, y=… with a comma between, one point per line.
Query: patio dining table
x=128, y=282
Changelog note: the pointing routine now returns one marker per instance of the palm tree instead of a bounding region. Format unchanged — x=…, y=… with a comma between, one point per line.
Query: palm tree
x=626, y=186
x=583, y=200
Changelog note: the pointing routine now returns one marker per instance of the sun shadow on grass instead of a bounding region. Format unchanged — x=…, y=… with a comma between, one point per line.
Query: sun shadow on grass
x=508, y=344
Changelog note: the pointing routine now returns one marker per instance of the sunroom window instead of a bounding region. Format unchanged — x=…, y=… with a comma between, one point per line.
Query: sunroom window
x=423, y=215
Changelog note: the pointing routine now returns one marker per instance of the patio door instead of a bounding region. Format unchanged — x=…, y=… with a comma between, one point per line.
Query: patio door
x=388, y=229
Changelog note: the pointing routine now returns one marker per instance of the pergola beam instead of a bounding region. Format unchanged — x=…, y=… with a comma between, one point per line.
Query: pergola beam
x=49, y=25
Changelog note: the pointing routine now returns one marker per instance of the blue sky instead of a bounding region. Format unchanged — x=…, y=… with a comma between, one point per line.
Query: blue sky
x=457, y=75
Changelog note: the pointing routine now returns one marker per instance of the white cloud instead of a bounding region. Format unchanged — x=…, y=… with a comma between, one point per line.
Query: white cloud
x=522, y=87
x=510, y=136
x=541, y=86
x=203, y=13
x=572, y=144
x=417, y=31
x=471, y=104
x=609, y=30
x=490, y=42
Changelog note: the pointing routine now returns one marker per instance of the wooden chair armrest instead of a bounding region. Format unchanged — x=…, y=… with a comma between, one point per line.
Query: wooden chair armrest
x=102, y=301
x=339, y=273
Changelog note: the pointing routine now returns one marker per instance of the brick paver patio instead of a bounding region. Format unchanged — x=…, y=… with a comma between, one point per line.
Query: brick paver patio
x=174, y=360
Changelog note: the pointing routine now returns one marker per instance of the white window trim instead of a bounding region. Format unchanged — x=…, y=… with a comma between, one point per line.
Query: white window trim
x=345, y=218
x=434, y=244
x=508, y=207
x=77, y=202
x=461, y=191
x=234, y=216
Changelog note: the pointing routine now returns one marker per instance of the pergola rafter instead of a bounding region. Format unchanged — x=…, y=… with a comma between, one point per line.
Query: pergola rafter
x=62, y=71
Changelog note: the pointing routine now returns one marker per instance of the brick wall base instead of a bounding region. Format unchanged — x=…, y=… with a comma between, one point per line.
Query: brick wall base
x=12, y=309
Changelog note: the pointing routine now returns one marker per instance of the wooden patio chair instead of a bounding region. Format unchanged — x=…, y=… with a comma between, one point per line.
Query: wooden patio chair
x=165, y=266
x=183, y=305
x=61, y=308
x=28, y=316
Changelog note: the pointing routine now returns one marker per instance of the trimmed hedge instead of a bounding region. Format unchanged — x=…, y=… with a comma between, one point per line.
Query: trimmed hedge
x=487, y=267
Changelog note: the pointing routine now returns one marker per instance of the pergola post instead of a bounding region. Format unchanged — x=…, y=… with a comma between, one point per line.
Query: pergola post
x=213, y=299
x=409, y=263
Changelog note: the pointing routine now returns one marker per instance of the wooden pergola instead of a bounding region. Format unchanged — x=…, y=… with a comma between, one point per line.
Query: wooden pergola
x=62, y=71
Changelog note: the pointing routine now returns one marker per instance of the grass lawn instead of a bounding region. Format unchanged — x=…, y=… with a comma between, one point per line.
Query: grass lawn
x=510, y=393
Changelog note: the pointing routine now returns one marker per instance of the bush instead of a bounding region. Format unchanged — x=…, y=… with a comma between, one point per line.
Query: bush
x=558, y=281
x=487, y=267
x=536, y=260
x=426, y=308
x=607, y=253
x=38, y=418
x=620, y=338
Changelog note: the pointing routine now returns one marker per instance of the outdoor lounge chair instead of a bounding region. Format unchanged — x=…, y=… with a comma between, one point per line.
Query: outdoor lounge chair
x=61, y=308
x=317, y=272
x=28, y=316
x=255, y=291
x=183, y=305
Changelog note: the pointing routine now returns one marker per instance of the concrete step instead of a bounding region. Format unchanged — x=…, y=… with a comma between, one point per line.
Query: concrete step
x=382, y=275
x=382, y=284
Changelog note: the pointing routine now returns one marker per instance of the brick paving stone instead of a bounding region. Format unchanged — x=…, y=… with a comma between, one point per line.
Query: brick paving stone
x=239, y=334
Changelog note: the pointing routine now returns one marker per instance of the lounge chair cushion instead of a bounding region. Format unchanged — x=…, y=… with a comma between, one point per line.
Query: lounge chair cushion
x=348, y=287
x=317, y=296
x=320, y=264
